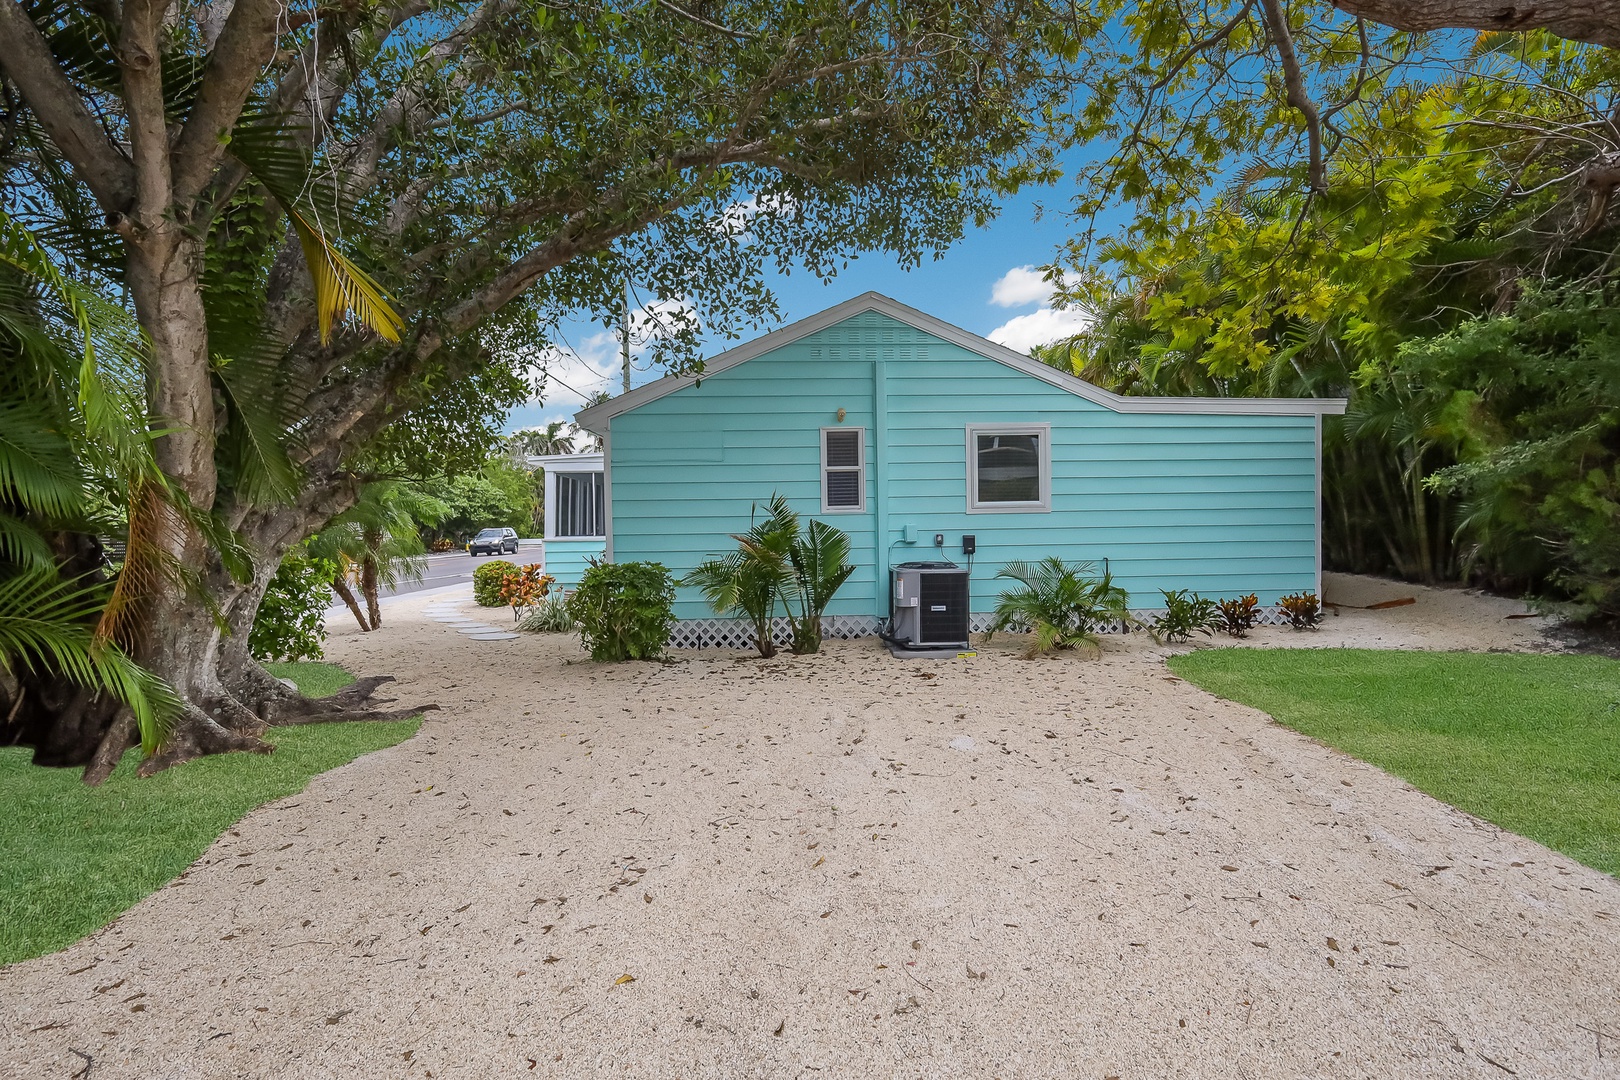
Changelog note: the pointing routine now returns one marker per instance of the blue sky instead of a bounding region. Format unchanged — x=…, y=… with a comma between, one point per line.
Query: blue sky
x=979, y=285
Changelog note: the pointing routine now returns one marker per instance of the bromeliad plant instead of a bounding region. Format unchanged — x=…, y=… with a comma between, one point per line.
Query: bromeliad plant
x=1060, y=606
x=777, y=561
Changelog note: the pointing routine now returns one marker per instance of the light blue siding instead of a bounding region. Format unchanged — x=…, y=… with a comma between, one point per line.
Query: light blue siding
x=566, y=560
x=1222, y=504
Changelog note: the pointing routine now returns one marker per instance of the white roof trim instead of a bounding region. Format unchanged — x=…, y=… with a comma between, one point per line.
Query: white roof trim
x=596, y=417
x=547, y=461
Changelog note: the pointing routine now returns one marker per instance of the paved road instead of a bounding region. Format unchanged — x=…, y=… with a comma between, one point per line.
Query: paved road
x=454, y=568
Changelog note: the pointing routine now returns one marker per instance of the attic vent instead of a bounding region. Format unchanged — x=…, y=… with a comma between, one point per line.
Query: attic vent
x=843, y=469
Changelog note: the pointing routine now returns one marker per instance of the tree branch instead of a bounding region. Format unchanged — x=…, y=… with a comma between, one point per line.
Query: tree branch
x=28, y=63
x=1595, y=21
x=245, y=45
x=141, y=61
x=1298, y=96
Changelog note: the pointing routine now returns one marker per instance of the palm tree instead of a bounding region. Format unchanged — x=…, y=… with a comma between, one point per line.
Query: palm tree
x=554, y=438
x=777, y=561
x=749, y=580
x=379, y=542
x=1062, y=606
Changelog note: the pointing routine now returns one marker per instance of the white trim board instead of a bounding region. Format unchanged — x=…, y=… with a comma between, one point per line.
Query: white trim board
x=596, y=418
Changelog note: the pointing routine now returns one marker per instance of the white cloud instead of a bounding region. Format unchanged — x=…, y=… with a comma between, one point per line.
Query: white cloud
x=595, y=362
x=1020, y=286
x=1038, y=328
x=570, y=375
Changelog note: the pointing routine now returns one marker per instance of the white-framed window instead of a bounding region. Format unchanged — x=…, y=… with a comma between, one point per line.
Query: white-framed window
x=843, y=470
x=579, y=505
x=1009, y=468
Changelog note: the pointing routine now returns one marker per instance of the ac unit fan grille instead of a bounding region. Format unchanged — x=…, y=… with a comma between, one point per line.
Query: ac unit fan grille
x=943, y=600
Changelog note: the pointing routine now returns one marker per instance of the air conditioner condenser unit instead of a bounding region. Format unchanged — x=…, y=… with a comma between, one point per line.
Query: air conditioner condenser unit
x=929, y=609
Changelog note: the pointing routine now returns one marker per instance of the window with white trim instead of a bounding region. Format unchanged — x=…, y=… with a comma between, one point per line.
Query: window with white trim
x=843, y=470
x=580, y=505
x=1009, y=467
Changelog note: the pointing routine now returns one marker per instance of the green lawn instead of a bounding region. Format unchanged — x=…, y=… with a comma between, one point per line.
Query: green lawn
x=75, y=857
x=1531, y=743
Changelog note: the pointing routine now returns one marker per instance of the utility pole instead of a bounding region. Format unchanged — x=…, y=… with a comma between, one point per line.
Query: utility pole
x=626, y=336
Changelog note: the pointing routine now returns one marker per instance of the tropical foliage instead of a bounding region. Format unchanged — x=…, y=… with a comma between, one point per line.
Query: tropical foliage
x=73, y=455
x=1302, y=610
x=555, y=438
x=291, y=623
x=376, y=544
x=488, y=579
x=1446, y=261
x=549, y=616
x=778, y=561
x=1185, y=614
x=1237, y=615
x=624, y=610
x=525, y=588
x=1059, y=606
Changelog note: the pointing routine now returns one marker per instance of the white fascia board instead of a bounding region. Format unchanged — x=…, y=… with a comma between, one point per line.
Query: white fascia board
x=596, y=418
x=586, y=462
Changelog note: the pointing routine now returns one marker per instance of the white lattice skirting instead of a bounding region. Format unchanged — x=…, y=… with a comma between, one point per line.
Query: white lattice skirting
x=739, y=633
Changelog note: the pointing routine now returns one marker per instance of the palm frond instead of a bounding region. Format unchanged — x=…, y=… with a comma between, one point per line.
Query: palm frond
x=341, y=287
x=278, y=162
x=46, y=628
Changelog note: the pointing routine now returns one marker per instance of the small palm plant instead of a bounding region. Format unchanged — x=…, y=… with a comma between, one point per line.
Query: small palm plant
x=748, y=581
x=1061, y=606
x=777, y=561
x=821, y=565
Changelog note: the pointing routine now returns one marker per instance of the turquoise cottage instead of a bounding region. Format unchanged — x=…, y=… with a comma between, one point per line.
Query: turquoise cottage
x=910, y=434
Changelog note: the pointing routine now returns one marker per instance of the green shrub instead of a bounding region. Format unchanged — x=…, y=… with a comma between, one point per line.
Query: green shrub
x=1061, y=606
x=1302, y=610
x=549, y=616
x=290, y=621
x=487, y=581
x=624, y=610
x=1239, y=615
x=1185, y=614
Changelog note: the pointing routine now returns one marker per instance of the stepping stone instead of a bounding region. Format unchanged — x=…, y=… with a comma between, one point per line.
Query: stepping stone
x=498, y=635
x=473, y=630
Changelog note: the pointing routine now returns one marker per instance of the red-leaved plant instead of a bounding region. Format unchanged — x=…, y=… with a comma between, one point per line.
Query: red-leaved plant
x=525, y=587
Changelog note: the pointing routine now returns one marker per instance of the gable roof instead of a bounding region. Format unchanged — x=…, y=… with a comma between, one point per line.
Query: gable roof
x=872, y=301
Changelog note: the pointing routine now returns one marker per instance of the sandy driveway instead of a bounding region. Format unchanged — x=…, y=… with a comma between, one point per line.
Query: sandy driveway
x=845, y=866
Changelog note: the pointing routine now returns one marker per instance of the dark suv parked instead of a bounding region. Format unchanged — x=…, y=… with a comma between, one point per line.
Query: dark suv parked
x=494, y=542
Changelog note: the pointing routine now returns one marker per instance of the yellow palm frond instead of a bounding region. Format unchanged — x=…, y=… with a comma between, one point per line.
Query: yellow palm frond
x=341, y=287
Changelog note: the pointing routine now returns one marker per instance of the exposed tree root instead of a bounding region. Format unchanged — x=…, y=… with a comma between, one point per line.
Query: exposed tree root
x=196, y=734
x=118, y=738
x=344, y=716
